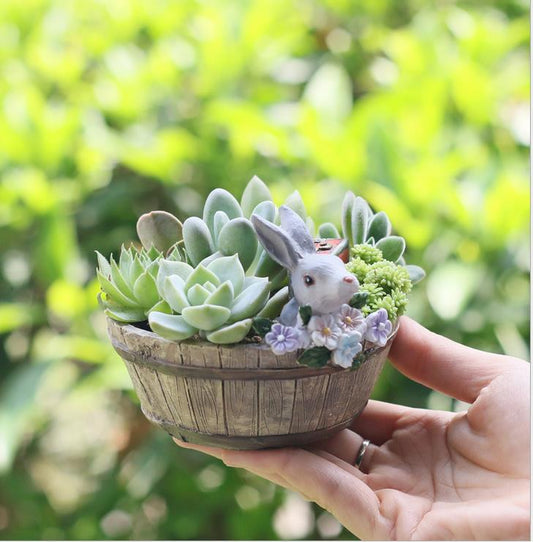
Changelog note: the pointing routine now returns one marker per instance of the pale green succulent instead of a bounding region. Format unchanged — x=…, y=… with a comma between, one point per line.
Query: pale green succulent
x=129, y=289
x=223, y=230
x=215, y=300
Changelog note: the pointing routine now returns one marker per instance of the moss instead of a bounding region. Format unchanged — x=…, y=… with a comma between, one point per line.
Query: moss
x=386, y=283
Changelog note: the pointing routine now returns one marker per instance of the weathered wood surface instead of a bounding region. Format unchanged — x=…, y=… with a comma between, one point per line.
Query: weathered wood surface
x=240, y=396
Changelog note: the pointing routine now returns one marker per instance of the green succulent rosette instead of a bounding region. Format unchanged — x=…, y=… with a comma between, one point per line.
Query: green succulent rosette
x=216, y=301
x=129, y=290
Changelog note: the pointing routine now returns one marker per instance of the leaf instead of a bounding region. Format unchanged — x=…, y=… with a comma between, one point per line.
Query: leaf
x=170, y=326
x=274, y=305
x=221, y=219
x=347, y=206
x=318, y=356
x=238, y=237
x=255, y=193
x=261, y=325
x=380, y=226
x=197, y=239
x=159, y=229
x=223, y=295
x=328, y=231
x=359, y=221
x=416, y=274
x=145, y=290
x=103, y=264
x=233, y=333
x=206, y=317
x=168, y=268
x=392, y=247
x=305, y=313
x=174, y=293
x=197, y=294
x=265, y=209
x=295, y=202
x=112, y=291
x=125, y=315
x=250, y=301
x=219, y=200
x=201, y=275
x=228, y=268
x=359, y=300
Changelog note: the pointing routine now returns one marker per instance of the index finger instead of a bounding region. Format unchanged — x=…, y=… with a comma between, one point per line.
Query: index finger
x=444, y=365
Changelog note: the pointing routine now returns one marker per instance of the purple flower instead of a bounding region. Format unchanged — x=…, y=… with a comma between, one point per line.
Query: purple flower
x=324, y=331
x=350, y=318
x=348, y=347
x=378, y=327
x=283, y=339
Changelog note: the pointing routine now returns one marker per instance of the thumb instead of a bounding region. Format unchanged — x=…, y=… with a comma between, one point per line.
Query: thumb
x=444, y=365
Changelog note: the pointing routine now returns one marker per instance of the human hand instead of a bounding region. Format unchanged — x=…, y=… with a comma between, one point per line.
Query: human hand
x=426, y=474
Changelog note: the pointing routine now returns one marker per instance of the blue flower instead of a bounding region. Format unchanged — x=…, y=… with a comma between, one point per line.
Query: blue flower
x=283, y=339
x=378, y=327
x=348, y=347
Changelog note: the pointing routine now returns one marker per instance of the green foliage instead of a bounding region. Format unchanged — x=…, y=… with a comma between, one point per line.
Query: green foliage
x=114, y=109
x=382, y=283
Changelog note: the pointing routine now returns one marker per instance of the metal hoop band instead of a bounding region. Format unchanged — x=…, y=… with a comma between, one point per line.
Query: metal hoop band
x=361, y=453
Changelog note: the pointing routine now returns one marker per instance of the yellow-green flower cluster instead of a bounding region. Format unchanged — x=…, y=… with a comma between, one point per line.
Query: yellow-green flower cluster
x=386, y=283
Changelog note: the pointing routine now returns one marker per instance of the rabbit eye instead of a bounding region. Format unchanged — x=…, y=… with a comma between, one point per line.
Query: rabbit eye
x=309, y=280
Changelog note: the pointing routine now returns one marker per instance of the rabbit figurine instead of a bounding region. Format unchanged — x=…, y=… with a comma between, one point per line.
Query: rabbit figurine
x=318, y=280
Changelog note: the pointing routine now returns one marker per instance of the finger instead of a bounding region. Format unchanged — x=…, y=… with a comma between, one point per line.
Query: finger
x=379, y=420
x=318, y=479
x=444, y=365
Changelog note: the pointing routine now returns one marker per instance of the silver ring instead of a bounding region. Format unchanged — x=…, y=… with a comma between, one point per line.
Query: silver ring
x=361, y=453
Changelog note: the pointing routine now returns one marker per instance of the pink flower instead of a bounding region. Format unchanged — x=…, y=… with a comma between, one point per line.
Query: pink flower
x=350, y=319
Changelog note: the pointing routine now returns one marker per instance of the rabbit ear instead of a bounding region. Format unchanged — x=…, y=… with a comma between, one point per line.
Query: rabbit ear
x=276, y=242
x=296, y=228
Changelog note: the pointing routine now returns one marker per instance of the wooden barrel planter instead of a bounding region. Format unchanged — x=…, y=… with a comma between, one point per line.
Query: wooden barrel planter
x=241, y=396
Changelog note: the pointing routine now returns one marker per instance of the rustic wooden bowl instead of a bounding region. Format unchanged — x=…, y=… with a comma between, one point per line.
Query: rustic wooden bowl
x=241, y=396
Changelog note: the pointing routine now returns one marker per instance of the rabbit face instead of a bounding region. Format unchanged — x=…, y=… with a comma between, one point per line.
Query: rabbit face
x=321, y=281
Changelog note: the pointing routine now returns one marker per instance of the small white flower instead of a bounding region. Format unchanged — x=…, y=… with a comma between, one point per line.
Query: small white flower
x=324, y=331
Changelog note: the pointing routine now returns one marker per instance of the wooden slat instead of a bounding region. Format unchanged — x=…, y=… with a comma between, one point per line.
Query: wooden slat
x=308, y=403
x=276, y=399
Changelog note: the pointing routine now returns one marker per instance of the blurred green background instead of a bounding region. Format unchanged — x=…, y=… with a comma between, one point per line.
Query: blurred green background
x=110, y=109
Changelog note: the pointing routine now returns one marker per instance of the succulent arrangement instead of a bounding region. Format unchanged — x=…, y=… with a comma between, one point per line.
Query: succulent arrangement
x=250, y=271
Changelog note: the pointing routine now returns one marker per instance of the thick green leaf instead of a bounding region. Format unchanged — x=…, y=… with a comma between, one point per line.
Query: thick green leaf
x=255, y=192
x=328, y=231
x=261, y=325
x=221, y=219
x=170, y=326
x=201, y=275
x=359, y=221
x=265, y=209
x=318, y=356
x=145, y=290
x=168, y=268
x=197, y=239
x=273, y=307
x=392, y=247
x=233, y=333
x=174, y=293
x=119, y=280
x=159, y=229
x=103, y=264
x=346, y=217
x=238, y=237
x=206, y=317
x=126, y=315
x=416, y=273
x=197, y=294
x=305, y=314
x=228, y=268
x=220, y=200
x=359, y=300
x=111, y=290
x=380, y=226
x=223, y=295
x=296, y=203
x=250, y=301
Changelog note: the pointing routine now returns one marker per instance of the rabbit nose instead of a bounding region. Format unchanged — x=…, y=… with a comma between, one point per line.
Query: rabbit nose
x=348, y=279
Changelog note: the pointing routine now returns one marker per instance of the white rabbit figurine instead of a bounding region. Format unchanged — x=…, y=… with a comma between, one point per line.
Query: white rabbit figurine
x=318, y=280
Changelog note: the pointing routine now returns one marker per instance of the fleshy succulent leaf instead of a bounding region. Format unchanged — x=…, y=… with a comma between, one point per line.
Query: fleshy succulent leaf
x=145, y=290
x=116, y=295
x=197, y=239
x=169, y=267
x=392, y=247
x=265, y=209
x=359, y=224
x=197, y=294
x=125, y=315
x=266, y=266
x=232, y=333
x=161, y=306
x=103, y=264
x=238, y=237
x=159, y=229
x=125, y=262
x=221, y=219
x=347, y=206
x=295, y=202
x=119, y=280
x=174, y=293
x=273, y=307
x=220, y=200
x=206, y=317
x=228, y=268
x=255, y=192
x=170, y=326
x=328, y=231
x=223, y=295
x=380, y=226
x=250, y=301
x=200, y=275
x=416, y=273
x=136, y=270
